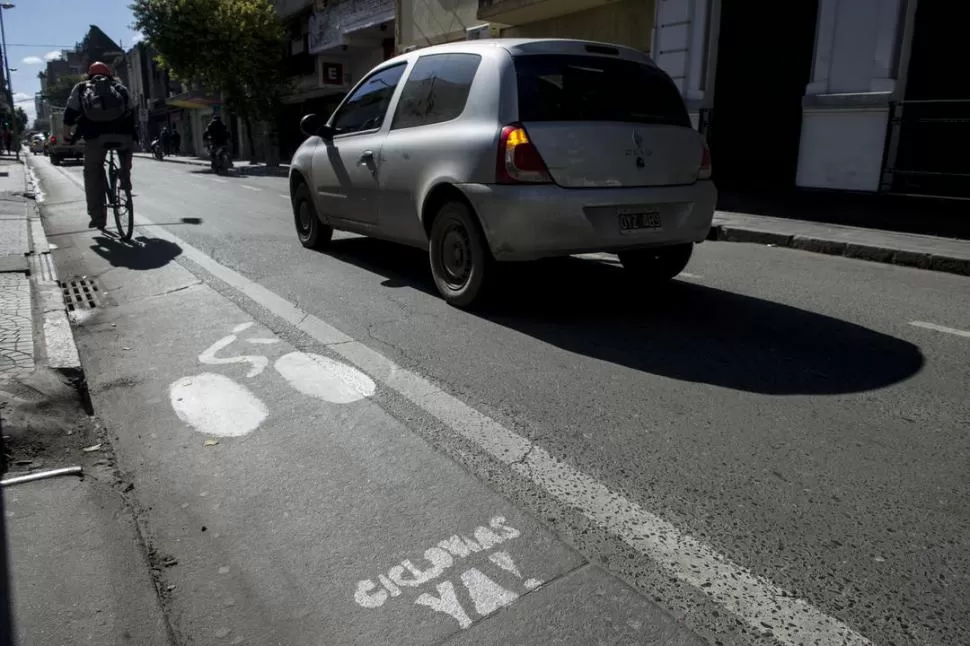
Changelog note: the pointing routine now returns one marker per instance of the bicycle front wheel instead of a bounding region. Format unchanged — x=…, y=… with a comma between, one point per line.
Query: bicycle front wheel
x=124, y=213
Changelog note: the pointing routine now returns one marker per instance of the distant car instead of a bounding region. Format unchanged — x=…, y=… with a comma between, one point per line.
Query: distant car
x=59, y=149
x=508, y=150
x=37, y=144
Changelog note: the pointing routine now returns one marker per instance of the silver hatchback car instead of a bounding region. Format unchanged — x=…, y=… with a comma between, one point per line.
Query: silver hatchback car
x=508, y=150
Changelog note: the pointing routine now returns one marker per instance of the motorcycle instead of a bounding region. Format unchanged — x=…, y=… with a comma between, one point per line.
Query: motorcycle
x=157, y=152
x=221, y=160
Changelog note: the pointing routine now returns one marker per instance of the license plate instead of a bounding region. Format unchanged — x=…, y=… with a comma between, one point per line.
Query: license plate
x=637, y=220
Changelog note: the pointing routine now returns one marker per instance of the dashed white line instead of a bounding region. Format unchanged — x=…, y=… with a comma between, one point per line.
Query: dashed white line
x=752, y=598
x=220, y=180
x=285, y=197
x=251, y=188
x=940, y=328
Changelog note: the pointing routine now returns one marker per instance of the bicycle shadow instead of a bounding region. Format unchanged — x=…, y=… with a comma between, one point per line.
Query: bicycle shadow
x=140, y=253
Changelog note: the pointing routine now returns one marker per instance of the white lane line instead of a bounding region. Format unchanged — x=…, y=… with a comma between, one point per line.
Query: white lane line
x=251, y=188
x=752, y=598
x=285, y=197
x=940, y=328
x=220, y=180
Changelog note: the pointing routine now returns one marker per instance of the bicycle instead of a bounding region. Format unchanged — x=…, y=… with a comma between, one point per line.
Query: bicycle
x=114, y=192
x=113, y=189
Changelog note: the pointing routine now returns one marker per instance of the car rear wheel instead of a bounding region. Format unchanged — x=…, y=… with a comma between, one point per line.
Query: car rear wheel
x=657, y=265
x=313, y=233
x=460, y=258
x=55, y=160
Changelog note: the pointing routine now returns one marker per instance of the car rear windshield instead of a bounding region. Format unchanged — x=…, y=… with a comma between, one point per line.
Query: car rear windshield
x=596, y=88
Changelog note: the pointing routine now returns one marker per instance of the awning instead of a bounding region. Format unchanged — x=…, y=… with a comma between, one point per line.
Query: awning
x=195, y=100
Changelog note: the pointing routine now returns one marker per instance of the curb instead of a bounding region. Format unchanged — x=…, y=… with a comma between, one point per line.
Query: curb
x=60, y=351
x=194, y=162
x=283, y=169
x=873, y=253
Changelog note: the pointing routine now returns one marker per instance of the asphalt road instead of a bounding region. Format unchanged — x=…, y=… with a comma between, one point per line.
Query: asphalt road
x=779, y=407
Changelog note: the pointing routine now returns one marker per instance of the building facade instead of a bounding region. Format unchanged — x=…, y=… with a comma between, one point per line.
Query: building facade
x=848, y=95
x=331, y=45
x=430, y=22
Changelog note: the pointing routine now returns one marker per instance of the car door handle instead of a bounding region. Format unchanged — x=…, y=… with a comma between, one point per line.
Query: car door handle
x=366, y=157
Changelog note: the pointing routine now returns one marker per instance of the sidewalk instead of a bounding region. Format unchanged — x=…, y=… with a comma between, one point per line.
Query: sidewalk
x=76, y=572
x=16, y=320
x=912, y=250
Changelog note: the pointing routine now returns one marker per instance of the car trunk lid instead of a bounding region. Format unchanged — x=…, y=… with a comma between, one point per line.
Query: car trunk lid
x=599, y=121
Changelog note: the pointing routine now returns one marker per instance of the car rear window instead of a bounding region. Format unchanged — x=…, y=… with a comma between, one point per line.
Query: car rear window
x=596, y=88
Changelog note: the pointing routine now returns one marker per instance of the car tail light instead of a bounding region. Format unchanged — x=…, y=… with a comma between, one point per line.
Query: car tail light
x=518, y=159
x=53, y=139
x=705, y=170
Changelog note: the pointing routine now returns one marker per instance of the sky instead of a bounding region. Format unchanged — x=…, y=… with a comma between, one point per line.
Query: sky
x=39, y=29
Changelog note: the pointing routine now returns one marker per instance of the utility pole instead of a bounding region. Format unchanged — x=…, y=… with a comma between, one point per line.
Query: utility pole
x=6, y=64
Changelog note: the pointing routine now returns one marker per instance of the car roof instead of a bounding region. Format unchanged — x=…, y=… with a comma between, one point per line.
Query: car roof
x=526, y=46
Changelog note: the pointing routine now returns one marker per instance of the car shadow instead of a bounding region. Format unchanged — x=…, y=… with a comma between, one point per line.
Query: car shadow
x=139, y=253
x=685, y=330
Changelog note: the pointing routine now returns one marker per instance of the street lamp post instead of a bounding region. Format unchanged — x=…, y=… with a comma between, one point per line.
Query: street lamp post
x=6, y=63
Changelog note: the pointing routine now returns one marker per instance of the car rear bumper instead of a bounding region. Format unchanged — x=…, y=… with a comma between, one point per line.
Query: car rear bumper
x=523, y=222
x=67, y=151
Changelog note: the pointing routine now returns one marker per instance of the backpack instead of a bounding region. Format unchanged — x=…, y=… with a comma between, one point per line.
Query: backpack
x=103, y=99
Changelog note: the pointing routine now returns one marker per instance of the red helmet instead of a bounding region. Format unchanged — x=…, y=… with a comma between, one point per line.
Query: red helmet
x=99, y=69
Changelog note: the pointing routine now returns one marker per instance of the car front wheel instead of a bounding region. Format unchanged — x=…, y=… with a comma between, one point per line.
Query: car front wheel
x=657, y=265
x=460, y=258
x=313, y=233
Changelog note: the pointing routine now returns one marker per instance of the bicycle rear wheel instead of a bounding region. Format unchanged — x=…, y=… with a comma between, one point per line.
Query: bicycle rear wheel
x=122, y=206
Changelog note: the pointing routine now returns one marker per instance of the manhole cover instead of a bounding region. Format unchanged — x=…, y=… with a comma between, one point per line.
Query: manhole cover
x=80, y=294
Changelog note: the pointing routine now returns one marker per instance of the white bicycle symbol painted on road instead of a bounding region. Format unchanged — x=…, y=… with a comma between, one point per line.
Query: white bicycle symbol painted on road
x=214, y=404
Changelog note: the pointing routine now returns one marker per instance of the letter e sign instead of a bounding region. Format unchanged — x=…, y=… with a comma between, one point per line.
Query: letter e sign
x=333, y=74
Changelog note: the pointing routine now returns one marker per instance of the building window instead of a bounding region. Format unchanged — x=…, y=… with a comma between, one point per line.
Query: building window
x=436, y=90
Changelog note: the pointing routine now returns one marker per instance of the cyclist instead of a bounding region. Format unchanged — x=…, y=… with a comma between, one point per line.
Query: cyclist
x=217, y=133
x=100, y=107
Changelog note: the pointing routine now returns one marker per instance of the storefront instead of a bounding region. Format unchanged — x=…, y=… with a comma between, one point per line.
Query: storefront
x=340, y=44
x=851, y=95
x=194, y=111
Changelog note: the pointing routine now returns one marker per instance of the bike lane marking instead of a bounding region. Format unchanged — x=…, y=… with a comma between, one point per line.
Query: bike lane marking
x=353, y=523
x=752, y=598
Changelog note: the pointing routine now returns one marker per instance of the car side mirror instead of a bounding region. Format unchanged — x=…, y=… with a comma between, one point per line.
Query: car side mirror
x=313, y=126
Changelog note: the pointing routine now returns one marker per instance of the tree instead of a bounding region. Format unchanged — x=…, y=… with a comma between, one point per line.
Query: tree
x=20, y=120
x=234, y=46
x=60, y=89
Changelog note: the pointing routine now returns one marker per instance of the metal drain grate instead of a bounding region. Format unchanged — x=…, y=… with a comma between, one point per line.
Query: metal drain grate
x=80, y=294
